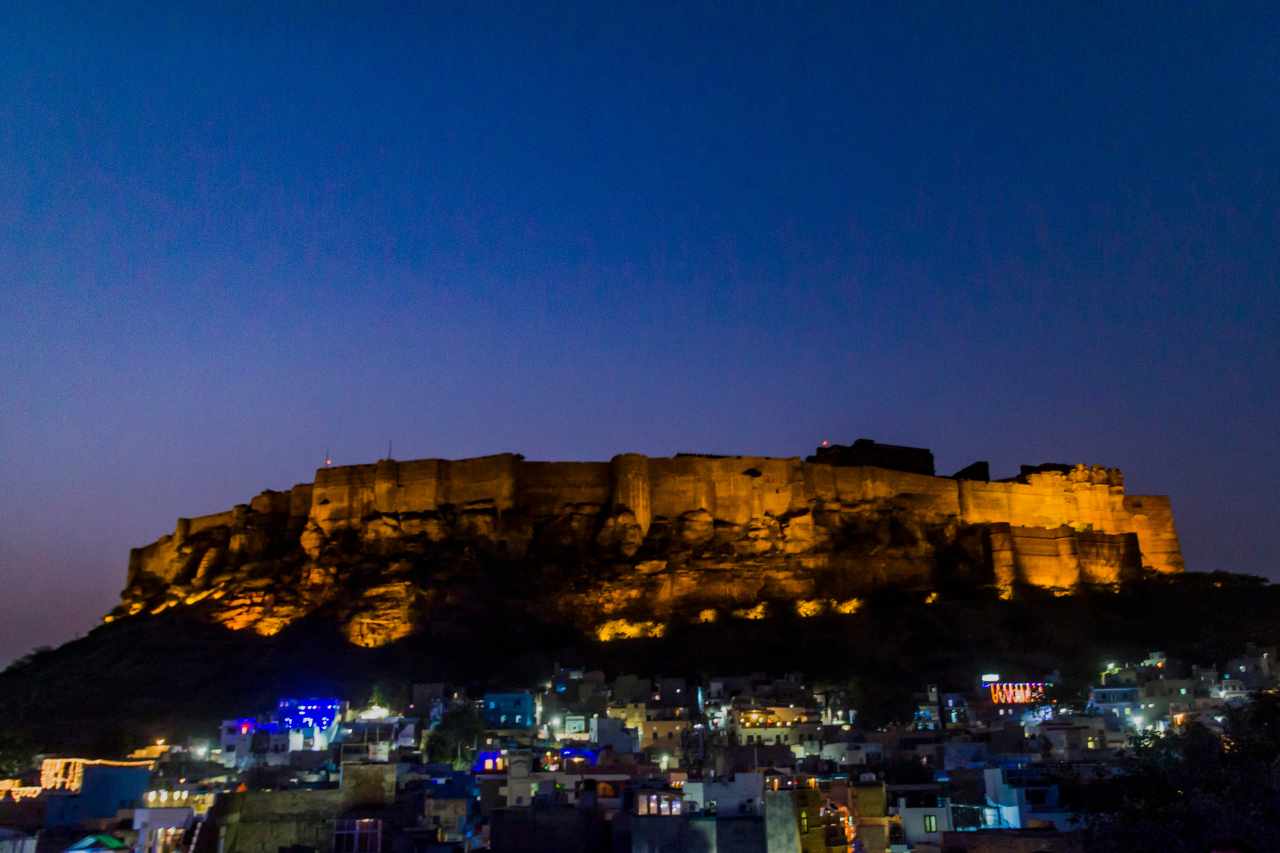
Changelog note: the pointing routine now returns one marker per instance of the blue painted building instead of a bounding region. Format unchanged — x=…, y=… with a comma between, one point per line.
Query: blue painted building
x=104, y=790
x=509, y=710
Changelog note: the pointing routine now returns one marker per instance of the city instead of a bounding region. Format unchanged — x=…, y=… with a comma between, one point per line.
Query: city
x=583, y=762
x=666, y=427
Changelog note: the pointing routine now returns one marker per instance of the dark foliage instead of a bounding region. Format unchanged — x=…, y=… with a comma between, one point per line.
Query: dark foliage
x=1186, y=792
x=456, y=737
x=175, y=675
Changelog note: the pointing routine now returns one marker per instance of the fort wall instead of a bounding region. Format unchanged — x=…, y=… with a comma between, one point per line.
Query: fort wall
x=1052, y=526
x=738, y=489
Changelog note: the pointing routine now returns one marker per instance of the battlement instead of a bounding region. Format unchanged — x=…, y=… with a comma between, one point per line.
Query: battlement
x=733, y=489
x=783, y=520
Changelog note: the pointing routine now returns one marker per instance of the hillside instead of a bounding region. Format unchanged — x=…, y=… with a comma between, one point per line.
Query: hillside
x=174, y=673
x=859, y=563
x=636, y=546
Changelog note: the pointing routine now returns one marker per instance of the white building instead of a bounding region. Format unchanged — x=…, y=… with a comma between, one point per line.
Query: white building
x=160, y=829
x=13, y=841
x=1022, y=799
x=743, y=794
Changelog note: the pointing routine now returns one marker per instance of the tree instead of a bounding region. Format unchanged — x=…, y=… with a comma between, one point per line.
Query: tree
x=455, y=738
x=1181, y=792
x=390, y=694
x=32, y=657
x=16, y=753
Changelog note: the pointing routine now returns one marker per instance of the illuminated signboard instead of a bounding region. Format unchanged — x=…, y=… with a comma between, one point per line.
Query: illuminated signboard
x=1016, y=692
x=308, y=713
x=67, y=774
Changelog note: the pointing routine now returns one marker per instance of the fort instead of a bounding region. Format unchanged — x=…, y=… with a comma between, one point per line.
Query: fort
x=653, y=537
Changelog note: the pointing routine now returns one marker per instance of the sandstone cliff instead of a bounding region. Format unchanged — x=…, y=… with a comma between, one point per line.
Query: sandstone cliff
x=623, y=547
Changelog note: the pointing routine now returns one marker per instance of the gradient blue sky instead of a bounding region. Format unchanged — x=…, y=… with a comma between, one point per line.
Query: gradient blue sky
x=229, y=241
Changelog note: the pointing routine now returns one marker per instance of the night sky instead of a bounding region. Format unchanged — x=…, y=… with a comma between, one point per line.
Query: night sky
x=231, y=242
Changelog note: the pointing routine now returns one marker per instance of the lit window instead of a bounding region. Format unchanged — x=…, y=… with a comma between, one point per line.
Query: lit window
x=357, y=836
x=930, y=823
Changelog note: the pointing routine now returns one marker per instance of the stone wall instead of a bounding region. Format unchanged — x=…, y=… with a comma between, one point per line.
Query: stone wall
x=267, y=821
x=737, y=490
x=661, y=533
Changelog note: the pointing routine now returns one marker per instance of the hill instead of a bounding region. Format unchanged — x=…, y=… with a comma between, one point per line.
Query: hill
x=175, y=674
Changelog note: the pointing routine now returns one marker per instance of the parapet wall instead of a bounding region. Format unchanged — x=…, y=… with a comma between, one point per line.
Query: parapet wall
x=731, y=528
x=738, y=489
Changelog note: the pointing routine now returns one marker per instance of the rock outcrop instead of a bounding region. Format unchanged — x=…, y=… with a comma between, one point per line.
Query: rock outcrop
x=623, y=547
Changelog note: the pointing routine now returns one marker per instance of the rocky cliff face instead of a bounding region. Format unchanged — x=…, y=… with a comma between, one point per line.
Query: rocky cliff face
x=623, y=547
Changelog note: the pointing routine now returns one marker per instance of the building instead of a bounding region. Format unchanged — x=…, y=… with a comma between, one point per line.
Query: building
x=161, y=830
x=1012, y=841
x=612, y=733
x=742, y=793
x=1077, y=738
x=267, y=821
x=514, y=710
x=15, y=841
x=1122, y=702
x=450, y=808
x=376, y=739
x=1023, y=798
x=298, y=725
x=874, y=828
x=77, y=790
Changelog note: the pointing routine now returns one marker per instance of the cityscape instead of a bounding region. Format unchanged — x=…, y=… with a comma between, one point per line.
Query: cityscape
x=676, y=427
x=580, y=761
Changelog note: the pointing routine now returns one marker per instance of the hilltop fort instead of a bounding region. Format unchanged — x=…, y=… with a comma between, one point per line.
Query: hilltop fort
x=624, y=546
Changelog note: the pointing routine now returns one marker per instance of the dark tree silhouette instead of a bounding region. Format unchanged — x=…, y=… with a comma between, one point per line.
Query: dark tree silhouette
x=1184, y=792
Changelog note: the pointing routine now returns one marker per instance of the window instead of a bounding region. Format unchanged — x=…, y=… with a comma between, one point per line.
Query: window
x=930, y=823
x=357, y=836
